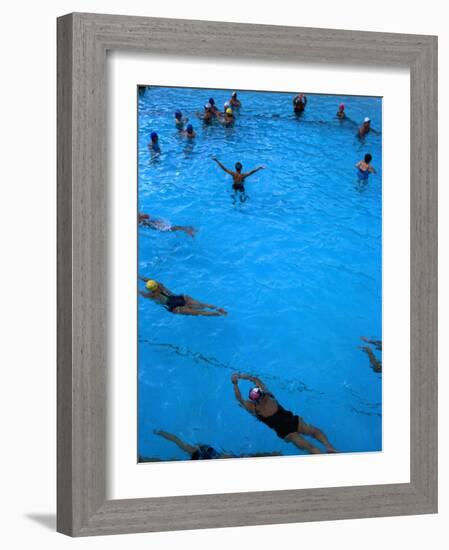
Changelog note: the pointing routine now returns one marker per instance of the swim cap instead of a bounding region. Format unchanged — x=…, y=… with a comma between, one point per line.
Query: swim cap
x=229, y=111
x=226, y=105
x=205, y=452
x=342, y=107
x=255, y=394
x=152, y=285
x=189, y=128
x=212, y=101
x=153, y=136
x=234, y=94
x=207, y=106
x=178, y=114
x=366, y=119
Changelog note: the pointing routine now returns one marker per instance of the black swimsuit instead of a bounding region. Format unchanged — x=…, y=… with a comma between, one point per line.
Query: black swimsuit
x=283, y=422
x=238, y=187
x=173, y=301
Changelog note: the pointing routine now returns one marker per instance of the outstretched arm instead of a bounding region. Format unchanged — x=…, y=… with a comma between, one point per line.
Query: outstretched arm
x=190, y=449
x=144, y=279
x=254, y=171
x=222, y=166
x=254, y=380
x=235, y=383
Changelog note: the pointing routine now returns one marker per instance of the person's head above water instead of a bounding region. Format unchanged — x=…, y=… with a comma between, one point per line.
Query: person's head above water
x=238, y=166
x=154, y=137
x=229, y=111
x=256, y=394
x=368, y=158
x=212, y=101
x=341, y=107
x=366, y=120
x=189, y=129
x=178, y=115
x=152, y=285
x=234, y=95
x=208, y=107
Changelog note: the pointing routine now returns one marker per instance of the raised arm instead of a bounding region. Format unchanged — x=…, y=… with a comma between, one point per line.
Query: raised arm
x=254, y=171
x=254, y=380
x=245, y=404
x=222, y=166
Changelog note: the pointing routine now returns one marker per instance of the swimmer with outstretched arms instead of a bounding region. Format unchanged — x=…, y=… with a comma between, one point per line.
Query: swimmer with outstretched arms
x=145, y=220
x=238, y=176
x=365, y=129
x=289, y=427
x=178, y=303
x=365, y=167
x=204, y=452
x=153, y=146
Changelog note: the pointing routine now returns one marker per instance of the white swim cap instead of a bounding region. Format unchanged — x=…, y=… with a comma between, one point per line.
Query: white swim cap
x=366, y=119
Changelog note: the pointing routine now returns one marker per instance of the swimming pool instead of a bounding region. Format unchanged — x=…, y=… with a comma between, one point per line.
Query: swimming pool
x=297, y=266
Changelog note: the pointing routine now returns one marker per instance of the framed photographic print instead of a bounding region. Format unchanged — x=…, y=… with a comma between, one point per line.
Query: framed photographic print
x=247, y=293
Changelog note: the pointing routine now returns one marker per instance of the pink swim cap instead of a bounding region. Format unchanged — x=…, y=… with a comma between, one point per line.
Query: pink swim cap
x=342, y=106
x=255, y=393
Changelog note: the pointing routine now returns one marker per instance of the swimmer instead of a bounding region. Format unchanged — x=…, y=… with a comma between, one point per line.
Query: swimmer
x=341, y=112
x=204, y=452
x=196, y=452
x=228, y=118
x=299, y=103
x=237, y=176
x=289, y=427
x=145, y=220
x=234, y=102
x=213, y=107
x=208, y=115
x=178, y=303
x=375, y=364
x=189, y=132
x=365, y=167
x=180, y=120
x=365, y=129
x=154, y=143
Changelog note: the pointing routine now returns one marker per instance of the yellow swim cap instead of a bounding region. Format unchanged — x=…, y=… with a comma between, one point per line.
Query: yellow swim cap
x=152, y=285
x=229, y=111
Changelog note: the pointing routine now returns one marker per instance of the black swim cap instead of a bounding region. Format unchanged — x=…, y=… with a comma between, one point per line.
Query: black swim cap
x=368, y=158
x=238, y=166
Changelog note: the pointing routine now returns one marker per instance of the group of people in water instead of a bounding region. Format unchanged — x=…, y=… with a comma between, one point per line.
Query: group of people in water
x=261, y=403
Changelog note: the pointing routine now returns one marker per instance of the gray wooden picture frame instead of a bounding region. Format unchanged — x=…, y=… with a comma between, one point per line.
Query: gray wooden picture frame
x=83, y=40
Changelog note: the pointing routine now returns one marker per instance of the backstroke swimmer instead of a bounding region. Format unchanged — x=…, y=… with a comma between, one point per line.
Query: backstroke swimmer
x=263, y=405
x=145, y=220
x=365, y=168
x=237, y=176
x=204, y=452
x=178, y=303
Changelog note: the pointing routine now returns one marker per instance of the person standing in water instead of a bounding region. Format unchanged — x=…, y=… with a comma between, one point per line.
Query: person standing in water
x=341, y=111
x=189, y=132
x=180, y=120
x=178, y=303
x=365, y=167
x=234, y=102
x=153, y=146
x=288, y=426
x=299, y=104
x=238, y=176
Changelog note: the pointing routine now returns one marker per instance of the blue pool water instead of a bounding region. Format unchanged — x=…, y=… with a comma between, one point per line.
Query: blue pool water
x=297, y=266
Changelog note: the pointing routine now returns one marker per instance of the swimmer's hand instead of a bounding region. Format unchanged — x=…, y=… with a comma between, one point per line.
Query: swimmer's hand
x=214, y=158
x=235, y=378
